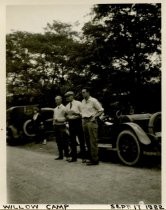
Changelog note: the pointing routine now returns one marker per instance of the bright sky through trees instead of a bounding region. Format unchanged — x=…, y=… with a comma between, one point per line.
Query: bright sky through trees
x=33, y=18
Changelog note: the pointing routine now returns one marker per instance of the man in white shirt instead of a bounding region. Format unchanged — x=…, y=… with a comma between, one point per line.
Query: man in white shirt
x=73, y=111
x=59, y=122
x=91, y=109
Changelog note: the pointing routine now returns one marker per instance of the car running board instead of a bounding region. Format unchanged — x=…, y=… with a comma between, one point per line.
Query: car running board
x=107, y=146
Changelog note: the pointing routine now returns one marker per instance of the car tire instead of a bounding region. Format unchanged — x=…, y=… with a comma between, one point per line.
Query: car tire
x=28, y=128
x=128, y=148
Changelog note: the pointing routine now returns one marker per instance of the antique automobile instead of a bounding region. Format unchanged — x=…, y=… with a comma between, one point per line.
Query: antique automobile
x=19, y=123
x=129, y=135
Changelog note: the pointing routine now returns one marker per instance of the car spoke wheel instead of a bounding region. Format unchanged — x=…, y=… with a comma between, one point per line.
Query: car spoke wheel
x=128, y=148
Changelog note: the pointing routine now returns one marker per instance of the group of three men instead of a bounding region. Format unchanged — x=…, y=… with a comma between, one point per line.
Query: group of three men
x=82, y=120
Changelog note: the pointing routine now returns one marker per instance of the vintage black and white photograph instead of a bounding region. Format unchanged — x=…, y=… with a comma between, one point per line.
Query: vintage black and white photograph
x=83, y=103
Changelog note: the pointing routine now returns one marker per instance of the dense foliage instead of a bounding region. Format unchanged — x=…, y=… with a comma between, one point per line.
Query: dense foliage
x=117, y=55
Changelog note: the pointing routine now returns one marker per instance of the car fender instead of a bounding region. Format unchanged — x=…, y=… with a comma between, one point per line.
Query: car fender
x=14, y=131
x=139, y=132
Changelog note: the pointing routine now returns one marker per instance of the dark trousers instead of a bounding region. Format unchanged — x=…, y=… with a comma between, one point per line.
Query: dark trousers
x=62, y=140
x=75, y=129
x=40, y=135
x=90, y=132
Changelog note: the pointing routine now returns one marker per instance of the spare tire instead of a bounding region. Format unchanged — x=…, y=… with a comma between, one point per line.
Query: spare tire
x=154, y=124
x=28, y=128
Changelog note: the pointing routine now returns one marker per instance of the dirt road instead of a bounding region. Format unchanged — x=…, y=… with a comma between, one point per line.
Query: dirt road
x=33, y=176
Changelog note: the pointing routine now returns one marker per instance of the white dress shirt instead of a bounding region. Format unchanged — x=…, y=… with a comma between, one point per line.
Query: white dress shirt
x=73, y=110
x=90, y=107
x=59, y=117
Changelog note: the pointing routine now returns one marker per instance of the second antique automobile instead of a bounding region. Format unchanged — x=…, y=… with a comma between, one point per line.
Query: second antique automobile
x=19, y=123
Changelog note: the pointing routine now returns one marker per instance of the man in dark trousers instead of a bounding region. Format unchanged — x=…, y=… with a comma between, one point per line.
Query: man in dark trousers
x=73, y=111
x=91, y=109
x=59, y=122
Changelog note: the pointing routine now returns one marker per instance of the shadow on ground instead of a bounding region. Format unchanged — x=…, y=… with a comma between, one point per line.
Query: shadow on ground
x=104, y=155
x=146, y=162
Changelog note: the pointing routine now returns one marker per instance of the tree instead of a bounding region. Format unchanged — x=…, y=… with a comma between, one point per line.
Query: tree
x=125, y=42
x=42, y=64
x=18, y=63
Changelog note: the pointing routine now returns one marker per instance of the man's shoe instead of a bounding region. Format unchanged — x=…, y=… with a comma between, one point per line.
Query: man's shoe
x=72, y=160
x=88, y=161
x=59, y=158
x=83, y=160
x=91, y=163
x=67, y=158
